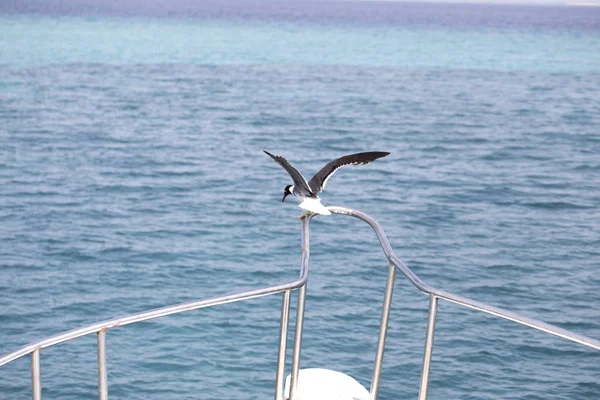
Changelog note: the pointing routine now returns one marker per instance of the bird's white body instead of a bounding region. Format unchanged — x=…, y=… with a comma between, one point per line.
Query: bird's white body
x=314, y=205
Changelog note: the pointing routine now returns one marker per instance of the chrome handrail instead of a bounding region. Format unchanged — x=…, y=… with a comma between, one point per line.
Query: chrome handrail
x=100, y=328
x=436, y=294
x=394, y=263
x=147, y=315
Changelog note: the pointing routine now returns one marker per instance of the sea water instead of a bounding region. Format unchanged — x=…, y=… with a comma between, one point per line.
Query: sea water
x=132, y=176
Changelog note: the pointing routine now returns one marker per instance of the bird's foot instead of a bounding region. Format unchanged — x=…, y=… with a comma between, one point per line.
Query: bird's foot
x=305, y=214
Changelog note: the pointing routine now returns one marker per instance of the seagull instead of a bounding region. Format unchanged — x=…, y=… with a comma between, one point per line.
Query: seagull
x=307, y=191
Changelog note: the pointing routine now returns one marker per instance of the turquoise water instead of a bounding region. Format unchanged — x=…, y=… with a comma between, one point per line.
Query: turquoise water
x=132, y=176
x=216, y=42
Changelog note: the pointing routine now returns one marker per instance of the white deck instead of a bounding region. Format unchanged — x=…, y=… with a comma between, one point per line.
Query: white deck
x=326, y=384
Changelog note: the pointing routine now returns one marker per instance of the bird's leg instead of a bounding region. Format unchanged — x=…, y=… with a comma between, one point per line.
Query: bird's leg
x=305, y=214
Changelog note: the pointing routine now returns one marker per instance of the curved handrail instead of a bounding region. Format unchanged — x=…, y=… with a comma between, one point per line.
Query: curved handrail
x=163, y=311
x=460, y=300
x=395, y=263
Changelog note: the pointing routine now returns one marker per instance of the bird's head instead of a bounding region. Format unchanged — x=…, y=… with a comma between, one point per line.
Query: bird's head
x=287, y=191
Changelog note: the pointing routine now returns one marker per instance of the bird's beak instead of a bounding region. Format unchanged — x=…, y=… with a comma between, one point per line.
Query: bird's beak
x=284, y=196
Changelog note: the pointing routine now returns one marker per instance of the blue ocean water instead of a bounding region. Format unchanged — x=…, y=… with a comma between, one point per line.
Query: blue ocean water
x=132, y=176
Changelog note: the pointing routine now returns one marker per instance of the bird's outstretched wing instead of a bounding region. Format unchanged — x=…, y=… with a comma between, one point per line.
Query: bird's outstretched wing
x=299, y=180
x=317, y=183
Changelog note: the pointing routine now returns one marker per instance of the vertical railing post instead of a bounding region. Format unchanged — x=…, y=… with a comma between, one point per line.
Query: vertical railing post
x=102, y=371
x=36, y=377
x=433, y=303
x=297, y=341
x=385, y=316
x=299, y=312
x=283, y=333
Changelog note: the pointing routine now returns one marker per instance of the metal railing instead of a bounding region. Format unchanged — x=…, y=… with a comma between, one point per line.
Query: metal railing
x=101, y=328
x=434, y=296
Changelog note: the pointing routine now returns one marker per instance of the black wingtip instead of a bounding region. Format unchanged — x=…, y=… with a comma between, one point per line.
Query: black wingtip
x=379, y=154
